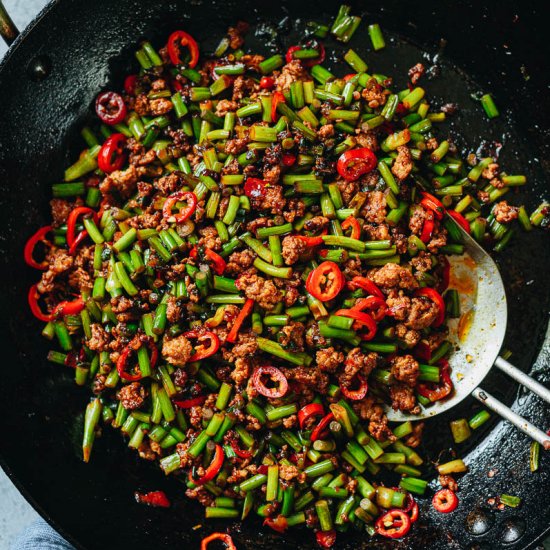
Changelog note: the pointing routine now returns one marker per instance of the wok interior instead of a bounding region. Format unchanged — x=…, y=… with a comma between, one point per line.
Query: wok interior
x=90, y=47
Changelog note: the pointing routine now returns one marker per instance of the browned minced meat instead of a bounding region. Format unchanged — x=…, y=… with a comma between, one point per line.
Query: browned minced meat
x=99, y=339
x=449, y=482
x=225, y=106
x=432, y=144
x=239, y=261
x=369, y=410
x=416, y=220
x=60, y=211
x=377, y=232
x=80, y=279
x=367, y=138
x=272, y=174
x=504, y=213
x=393, y=276
x=235, y=34
x=245, y=346
x=403, y=163
x=209, y=238
x=422, y=262
x=288, y=472
x=257, y=223
x=201, y=495
x=415, y=437
x=352, y=268
x=326, y=131
x=408, y=336
x=252, y=61
x=348, y=189
x=120, y=181
x=168, y=184
x=421, y=314
x=173, y=310
x=236, y=146
x=59, y=261
x=271, y=200
x=328, y=359
x=483, y=196
x=291, y=336
x=316, y=224
x=290, y=73
x=295, y=208
x=491, y=171
x=262, y=291
x=177, y=350
x=374, y=209
x=399, y=304
x=374, y=94
x=405, y=369
x=403, y=398
x=313, y=336
x=241, y=371
x=310, y=377
x=132, y=396
x=292, y=248
x=357, y=362
x=439, y=238
x=416, y=72
x=243, y=86
x=161, y=106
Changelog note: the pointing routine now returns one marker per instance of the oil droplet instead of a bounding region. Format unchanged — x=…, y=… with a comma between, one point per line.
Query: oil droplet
x=464, y=324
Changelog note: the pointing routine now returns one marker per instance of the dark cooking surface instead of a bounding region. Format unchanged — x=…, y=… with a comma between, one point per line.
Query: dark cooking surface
x=92, y=504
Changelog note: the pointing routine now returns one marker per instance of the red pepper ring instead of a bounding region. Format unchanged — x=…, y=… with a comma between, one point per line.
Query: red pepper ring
x=188, y=403
x=437, y=299
x=435, y=392
x=156, y=499
x=276, y=376
x=352, y=222
x=325, y=282
x=130, y=83
x=73, y=307
x=178, y=39
x=354, y=163
x=238, y=451
x=243, y=314
x=460, y=220
x=278, y=524
x=110, y=108
x=366, y=284
x=33, y=297
x=288, y=159
x=377, y=306
x=224, y=537
x=278, y=97
x=111, y=155
x=218, y=263
x=363, y=318
x=349, y=76
x=326, y=539
x=429, y=202
x=71, y=224
x=427, y=230
x=313, y=241
x=28, y=253
x=213, y=469
x=319, y=430
x=121, y=364
x=359, y=393
x=309, y=411
x=445, y=501
x=289, y=57
x=184, y=214
x=394, y=524
x=254, y=188
x=203, y=352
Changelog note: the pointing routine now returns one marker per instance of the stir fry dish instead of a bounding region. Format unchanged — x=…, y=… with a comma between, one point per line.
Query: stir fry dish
x=248, y=262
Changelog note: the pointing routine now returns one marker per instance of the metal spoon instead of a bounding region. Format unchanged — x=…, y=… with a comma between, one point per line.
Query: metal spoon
x=478, y=346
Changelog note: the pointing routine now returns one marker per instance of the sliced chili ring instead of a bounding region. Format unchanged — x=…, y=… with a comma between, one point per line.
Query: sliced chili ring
x=243, y=314
x=377, y=306
x=363, y=318
x=325, y=282
x=326, y=539
x=30, y=245
x=435, y=392
x=241, y=453
x=460, y=220
x=267, y=83
x=214, y=467
x=218, y=263
x=278, y=524
x=121, y=365
x=156, y=499
x=193, y=402
x=111, y=155
x=110, y=108
x=224, y=537
x=351, y=222
x=366, y=284
x=33, y=297
x=185, y=213
x=354, y=163
x=288, y=159
x=276, y=376
x=319, y=430
x=437, y=299
x=359, y=393
x=427, y=230
x=71, y=225
x=278, y=97
x=178, y=39
x=203, y=353
x=429, y=202
x=445, y=501
x=130, y=83
x=309, y=411
x=394, y=524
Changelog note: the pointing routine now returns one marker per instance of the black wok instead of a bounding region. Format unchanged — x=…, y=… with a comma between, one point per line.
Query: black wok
x=48, y=81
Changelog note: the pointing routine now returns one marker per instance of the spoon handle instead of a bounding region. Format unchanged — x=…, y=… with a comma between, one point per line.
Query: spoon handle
x=523, y=379
x=508, y=414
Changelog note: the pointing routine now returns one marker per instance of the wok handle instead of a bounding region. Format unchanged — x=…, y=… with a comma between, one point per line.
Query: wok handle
x=8, y=30
x=523, y=379
x=508, y=414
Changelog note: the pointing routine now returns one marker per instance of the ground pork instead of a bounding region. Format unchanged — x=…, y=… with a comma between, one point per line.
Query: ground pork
x=309, y=377
x=316, y=224
x=449, y=482
x=295, y=208
x=244, y=86
x=357, y=362
x=236, y=34
x=368, y=409
x=421, y=314
x=290, y=73
x=393, y=276
x=399, y=304
x=80, y=279
x=241, y=371
x=288, y=472
x=415, y=437
x=491, y=171
x=173, y=310
x=209, y=238
x=239, y=261
x=59, y=261
x=160, y=106
x=291, y=336
x=272, y=174
x=168, y=184
x=374, y=94
x=416, y=72
x=245, y=346
x=403, y=398
x=292, y=248
x=407, y=336
x=225, y=106
x=122, y=182
x=313, y=336
x=376, y=232
x=367, y=138
x=99, y=339
x=374, y=209
x=60, y=211
x=348, y=189
x=272, y=199
x=352, y=268
x=262, y=291
x=325, y=132
x=132, y=396
x=416, y=219
x=405, y=369
x=504, y=213
x=403, y=163
x=177, y=350
x=236, y=146
x=328, y=359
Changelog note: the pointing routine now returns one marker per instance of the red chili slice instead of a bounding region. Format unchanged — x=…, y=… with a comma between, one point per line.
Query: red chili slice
x=28, y=253
x=33, y=297
x=435, y=392
x=427, y=230
x=130, y=83
x=224, y=537
x=110, y=108
x=309, y=411
x=214, y=468
x=352, y=222
x=326, y=539
x=460, y=220
x=111, y=155
x=278, y=97
x=363, y=318
x=278, y=524
x=359, y=393
x=254, y=188
x=289, y=159
x=377, y=306
x=121, y=365
x=156, y=499
x=349, y=76
x=429, y=202
x=203, y=353
x=71, y=225
x=267, y=83
x=445, y=501
x=411, y=508
x=289, y=57
x=437, y=299
x=276, y=376
x=366, y=284
x=325, y=282
x=218, y=263
x=181, y=39
x=243, y=314
x=238, y=451
x=394, y=524
x=188, y=403
x=183, y=214
x=422, y=351
x=320, y=429
x=354, y=163
x=313, y=241
x=74, y=307
x=445, y=275
x=79, y=238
